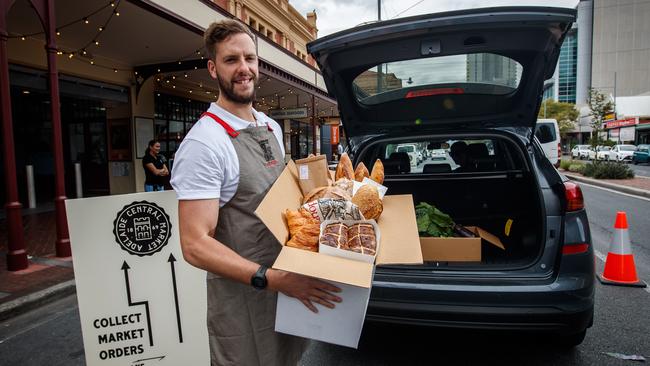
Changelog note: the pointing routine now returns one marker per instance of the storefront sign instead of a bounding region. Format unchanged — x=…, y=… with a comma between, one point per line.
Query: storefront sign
x=288, y=113
x=610, y=116
x=627, y=134
x=140, y=303
x=334, y=133
x=622, y=123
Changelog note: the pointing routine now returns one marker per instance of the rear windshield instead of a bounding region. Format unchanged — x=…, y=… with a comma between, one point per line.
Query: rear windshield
x=477, y=73
x=443, y=156
x=545, y=132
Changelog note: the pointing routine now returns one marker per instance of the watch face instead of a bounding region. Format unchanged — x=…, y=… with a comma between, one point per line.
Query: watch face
x=259, y=282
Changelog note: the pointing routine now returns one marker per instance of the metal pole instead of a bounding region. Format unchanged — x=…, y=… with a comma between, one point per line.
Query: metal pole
x=31, y=191
x=77, y=180
x=62, y=237
x=379, y=67
x=16, y=254
x=313, y=123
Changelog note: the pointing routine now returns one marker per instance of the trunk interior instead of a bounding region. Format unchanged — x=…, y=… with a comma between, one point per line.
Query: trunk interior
x=497, y=190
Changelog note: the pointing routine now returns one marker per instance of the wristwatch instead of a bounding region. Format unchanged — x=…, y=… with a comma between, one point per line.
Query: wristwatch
x=258, y=280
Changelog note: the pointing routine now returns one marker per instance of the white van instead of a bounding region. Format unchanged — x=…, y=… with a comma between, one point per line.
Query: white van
x=548, y=134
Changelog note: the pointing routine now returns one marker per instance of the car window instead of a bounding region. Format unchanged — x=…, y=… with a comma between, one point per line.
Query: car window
x=442, y=156
x=545, y=132
x=408, y=148
x=627, y=147
x=478, y=73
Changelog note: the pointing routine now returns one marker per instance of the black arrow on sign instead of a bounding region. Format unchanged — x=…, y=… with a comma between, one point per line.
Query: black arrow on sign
x=171, y=261
x=126, y=268
x=159, y=358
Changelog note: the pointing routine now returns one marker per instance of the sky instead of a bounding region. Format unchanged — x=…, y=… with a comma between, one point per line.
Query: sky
x=336, y=15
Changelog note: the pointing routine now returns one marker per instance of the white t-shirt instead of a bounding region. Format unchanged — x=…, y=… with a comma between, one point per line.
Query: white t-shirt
x=206, y=164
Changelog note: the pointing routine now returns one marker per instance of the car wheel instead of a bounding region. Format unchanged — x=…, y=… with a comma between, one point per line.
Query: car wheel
x=635, y=162
x=571, y=340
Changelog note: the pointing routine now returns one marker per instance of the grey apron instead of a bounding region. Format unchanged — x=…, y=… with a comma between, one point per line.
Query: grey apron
x=241, y=319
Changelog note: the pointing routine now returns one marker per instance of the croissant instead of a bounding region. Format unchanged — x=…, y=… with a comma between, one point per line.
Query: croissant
x=344, y=169
x=361, y=172
x=378, y=172
x=304, y=230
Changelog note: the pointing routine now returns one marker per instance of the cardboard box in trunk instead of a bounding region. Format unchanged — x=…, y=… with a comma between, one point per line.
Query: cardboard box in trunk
x=399, y=244
x=458, y=249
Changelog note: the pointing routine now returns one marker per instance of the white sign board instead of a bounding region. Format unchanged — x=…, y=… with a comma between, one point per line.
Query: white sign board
x=140, y=303
x=288, y=113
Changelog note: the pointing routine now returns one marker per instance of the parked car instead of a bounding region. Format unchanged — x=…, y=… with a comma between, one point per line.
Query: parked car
x=641, y=154
x=600, y=153
x=548, y=134
x=621, y=153
x=544, y=280
x=580, y=151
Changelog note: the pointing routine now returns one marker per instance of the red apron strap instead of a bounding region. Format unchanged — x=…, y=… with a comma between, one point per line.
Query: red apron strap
x=223, y=124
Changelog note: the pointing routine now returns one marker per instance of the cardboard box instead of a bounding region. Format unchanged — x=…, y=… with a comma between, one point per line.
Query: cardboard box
x=458, y=249
x=400, y=244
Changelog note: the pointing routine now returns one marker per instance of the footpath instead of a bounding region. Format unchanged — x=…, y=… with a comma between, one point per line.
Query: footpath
x=49, y=278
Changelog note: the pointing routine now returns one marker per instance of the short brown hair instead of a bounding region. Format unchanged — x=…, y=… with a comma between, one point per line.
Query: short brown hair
x=219, y=31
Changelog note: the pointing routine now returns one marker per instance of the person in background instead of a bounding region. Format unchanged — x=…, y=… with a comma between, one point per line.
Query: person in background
x=155, y=168
x=459, y=153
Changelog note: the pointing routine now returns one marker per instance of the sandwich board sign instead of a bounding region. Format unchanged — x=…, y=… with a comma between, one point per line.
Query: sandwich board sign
x=140, y=303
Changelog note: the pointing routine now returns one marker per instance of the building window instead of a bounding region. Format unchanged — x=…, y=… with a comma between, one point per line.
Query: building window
x=269, y=34
x=252, y=23
x=261, y=29
x=174, y=116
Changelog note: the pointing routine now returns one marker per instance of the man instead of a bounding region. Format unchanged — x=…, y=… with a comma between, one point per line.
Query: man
x=222, y=170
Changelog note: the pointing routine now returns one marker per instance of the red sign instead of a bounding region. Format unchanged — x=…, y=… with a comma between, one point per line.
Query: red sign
x=334, y=132
x=622, y=123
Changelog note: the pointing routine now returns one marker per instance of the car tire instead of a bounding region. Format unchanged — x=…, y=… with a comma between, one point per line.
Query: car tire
x=571, y=340
x=635, y=162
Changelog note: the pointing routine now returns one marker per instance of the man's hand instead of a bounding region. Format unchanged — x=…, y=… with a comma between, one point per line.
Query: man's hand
x=306, y=289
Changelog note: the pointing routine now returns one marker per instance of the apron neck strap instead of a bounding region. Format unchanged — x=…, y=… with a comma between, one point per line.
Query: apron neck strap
x=225, y=125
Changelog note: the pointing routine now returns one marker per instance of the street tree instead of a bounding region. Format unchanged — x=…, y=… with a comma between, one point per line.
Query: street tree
x=565, y=114
x=600, y=105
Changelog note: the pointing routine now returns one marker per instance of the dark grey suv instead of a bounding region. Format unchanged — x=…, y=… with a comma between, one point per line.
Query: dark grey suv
x=466, y=87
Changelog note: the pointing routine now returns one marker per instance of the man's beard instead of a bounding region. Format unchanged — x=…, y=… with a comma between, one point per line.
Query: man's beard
x=228, y=91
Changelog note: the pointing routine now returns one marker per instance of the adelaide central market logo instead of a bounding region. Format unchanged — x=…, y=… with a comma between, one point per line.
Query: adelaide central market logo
x=142, y=228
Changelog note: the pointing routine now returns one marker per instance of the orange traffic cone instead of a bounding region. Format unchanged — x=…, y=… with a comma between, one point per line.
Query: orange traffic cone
x=619, y=265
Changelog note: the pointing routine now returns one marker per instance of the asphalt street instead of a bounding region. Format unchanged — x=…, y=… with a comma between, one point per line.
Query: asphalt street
x=51, y=335
x=641, y=169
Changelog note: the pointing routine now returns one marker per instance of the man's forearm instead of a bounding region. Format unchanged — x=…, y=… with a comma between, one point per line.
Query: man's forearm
x=213, y=256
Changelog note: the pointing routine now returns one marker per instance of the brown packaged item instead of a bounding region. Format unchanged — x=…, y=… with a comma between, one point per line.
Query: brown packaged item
x=344, y=169
x=368, y=201
x=361, y=172
x=362, y=238
x=304, y=230
x=312, y=173
x=378, y=172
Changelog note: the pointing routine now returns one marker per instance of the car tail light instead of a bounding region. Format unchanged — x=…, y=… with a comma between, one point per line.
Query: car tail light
x=575, y=248
x=574, y=198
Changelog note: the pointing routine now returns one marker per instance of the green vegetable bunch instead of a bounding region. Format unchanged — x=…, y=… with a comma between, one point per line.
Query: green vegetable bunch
x=433, y=222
